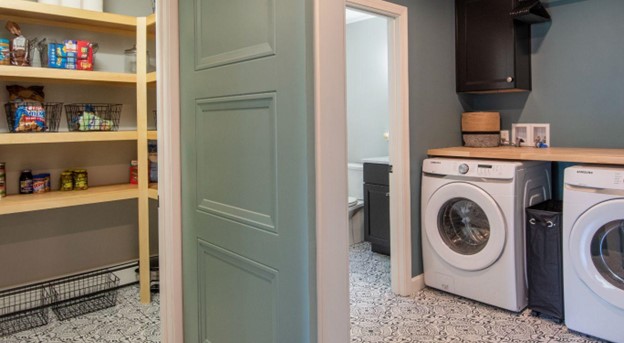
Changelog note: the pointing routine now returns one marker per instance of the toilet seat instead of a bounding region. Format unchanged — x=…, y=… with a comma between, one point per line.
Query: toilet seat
x=352, y=201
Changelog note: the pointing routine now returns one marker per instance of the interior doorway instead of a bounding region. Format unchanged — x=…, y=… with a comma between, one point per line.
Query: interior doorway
x=378, y=121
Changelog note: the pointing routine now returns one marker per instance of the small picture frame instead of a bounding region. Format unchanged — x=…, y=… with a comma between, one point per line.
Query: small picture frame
x=531, y=135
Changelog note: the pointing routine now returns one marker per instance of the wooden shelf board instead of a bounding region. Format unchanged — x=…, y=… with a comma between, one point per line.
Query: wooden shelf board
x=151, y=23
x=94, y=195
x=153, y=191
x=577, y=155
x=66, y=137
x=73, y=18
x=30, y=74
x=152, y=135
x=151, y=77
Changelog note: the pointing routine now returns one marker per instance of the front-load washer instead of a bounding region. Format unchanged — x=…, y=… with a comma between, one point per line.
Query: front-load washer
x=473, y=226
x=593, y=251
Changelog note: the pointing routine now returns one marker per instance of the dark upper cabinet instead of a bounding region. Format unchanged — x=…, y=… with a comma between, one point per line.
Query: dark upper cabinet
x=493, y=52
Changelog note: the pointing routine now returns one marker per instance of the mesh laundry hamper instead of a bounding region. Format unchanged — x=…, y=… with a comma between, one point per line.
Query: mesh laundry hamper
x=544, y=259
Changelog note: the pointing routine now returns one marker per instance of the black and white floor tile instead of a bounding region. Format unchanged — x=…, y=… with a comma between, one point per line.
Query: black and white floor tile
x=128, y=322
x=377, y=315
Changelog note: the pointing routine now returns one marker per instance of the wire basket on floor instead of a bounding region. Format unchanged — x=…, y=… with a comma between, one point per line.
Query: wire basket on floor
x=93, y=117
x=23, y=309
x=33, y=116
x=85, y=293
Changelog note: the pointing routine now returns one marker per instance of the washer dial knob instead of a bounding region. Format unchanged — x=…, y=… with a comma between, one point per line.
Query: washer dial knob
x=463, y=168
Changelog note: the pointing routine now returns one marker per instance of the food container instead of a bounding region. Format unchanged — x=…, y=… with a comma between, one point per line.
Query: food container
x=33, y=116
x=81, y=180
x=67, y=181
x=26, y=182
x=39, y=184
x=5, y=52
x=134, y=172
x=93, y=117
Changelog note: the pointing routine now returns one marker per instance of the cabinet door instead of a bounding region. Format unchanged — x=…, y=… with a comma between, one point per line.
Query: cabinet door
x=492, y=50
x=377, y=217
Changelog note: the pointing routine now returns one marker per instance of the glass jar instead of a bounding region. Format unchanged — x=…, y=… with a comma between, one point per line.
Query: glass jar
x=131, y=61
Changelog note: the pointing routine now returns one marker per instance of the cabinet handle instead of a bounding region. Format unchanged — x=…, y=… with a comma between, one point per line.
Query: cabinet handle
x=532, y=221
x=509, y=79
x=387, y=194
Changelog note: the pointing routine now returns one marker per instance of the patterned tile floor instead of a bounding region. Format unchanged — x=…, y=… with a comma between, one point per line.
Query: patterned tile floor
x=433, y=316
x=128, y=322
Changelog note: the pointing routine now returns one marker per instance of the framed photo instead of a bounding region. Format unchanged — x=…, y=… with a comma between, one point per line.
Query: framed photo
x=531, y=135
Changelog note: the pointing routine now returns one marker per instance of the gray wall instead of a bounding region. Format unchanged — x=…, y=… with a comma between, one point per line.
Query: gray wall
x=434, y=107
x=578, y=78
x=367, y=88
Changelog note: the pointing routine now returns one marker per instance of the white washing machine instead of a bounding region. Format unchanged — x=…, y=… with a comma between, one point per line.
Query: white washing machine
x=473, y=226
x=593, y=251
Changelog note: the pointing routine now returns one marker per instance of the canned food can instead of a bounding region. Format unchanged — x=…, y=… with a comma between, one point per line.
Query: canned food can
x=2, y=189
x=39, y=184
x=3, y=171
x=67, y=181
x=81, y=179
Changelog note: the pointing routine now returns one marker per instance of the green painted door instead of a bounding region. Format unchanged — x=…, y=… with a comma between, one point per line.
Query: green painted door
x=247, y=171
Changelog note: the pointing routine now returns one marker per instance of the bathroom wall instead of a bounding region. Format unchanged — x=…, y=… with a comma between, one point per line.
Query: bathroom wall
x=434, y=106
x=367, y=88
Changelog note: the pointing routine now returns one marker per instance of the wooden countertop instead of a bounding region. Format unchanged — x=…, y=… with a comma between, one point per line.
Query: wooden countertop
x=579, y=155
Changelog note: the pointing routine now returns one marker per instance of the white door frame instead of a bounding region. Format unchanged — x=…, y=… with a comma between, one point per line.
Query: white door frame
x=332, y=301
x=331, y=161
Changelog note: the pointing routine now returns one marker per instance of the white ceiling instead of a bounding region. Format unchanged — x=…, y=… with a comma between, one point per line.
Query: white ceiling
x=353, y=16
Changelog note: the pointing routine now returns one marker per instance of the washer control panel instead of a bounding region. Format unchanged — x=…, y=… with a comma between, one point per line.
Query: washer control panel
x=470, y=168
x=600, y=177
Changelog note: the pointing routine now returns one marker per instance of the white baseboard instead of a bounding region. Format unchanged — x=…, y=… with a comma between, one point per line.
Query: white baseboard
x=417, y=283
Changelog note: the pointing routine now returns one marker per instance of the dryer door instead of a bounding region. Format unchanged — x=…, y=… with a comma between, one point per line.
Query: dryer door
x=465, y=226
x=597, y=250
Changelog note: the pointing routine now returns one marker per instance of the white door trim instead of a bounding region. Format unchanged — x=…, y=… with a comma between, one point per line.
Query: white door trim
x=331, y=161
x=169, y=185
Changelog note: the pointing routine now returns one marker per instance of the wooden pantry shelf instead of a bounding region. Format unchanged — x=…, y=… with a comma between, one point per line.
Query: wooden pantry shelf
x=150, y=22
x=577, y=155
x=45, y=201
x=31, y=74
x=153, y=191
x=151, y=77
x=66, y=137
x=72, y=18
x=152, y=135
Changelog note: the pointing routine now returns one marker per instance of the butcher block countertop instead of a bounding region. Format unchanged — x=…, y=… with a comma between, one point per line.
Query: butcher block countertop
x=579, y=155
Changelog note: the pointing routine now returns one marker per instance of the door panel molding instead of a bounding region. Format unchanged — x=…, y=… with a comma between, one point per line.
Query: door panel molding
x=241, y=271
x=255, y=40
x=242, y=124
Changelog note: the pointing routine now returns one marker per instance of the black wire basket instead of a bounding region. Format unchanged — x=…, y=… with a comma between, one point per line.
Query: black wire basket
x=84, y=293
x=33, y=116
x=23, y=309
x=93, y=117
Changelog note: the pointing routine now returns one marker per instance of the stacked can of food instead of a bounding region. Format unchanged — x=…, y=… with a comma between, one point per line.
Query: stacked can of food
x=2, y=179
x=81, y=180
x=76, y=179
x=41, y=183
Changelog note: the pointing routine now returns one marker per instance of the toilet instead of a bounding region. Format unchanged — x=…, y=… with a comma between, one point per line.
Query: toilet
x=356, y=202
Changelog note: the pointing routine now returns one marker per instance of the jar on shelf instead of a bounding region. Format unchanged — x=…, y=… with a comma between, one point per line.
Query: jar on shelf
x=67, y=181
x=81, y=179
x=131, y=61
x=134, y=172
x=26, y=182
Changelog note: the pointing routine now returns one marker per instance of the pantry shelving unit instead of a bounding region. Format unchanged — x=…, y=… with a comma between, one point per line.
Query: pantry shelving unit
x=70, y=18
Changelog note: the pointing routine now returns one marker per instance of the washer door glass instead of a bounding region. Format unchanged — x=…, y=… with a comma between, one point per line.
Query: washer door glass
x=469, y=231
x=463, y=226
x=596, y=250
x=607, y=250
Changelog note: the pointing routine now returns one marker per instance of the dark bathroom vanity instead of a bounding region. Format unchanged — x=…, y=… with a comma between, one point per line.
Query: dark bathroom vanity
x=377, y=207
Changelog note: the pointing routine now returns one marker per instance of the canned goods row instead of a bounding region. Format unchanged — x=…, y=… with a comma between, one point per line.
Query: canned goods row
x=2, y=179
x=76, y=179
